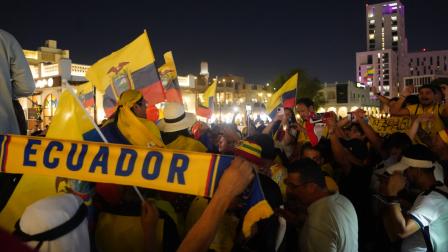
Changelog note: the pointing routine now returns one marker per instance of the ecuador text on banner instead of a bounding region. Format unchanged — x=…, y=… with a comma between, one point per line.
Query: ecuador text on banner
x=168, y=76
x=285, y=96
x=178, y=171
x=131, y=67
x=205, y=108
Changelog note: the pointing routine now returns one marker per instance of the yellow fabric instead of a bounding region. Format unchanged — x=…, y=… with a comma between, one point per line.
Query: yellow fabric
x=303, y=136
x=130, y=97
x=117, y=233
x=169, y=68
x=386, y=126
x=331, y=184
x=162, y=169
x=136, y=54
x=259, y=211
x=430, y=127
x=186, y=143
x=209, y=92
x=83, y=88
x=70, y=120
x=276, y=98
x=444, y=135
x=138, y=131
x=30, y=189
x=328, y=169
x=278, y=174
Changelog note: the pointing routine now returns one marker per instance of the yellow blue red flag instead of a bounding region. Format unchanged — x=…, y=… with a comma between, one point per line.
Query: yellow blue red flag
x=131, y=67
x=205, y=109
x=85, y=93
x=284, y=97
x=168, y=75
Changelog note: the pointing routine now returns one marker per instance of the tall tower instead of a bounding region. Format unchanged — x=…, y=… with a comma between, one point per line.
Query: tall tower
x=385, y=26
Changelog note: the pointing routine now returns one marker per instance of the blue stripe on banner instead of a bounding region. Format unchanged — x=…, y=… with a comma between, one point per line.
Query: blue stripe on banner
x=289, y=95
x=223, y=163
x=145, y=76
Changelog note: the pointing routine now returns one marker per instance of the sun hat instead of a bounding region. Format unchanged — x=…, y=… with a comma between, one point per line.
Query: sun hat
x=417, y=156
x=175, y=118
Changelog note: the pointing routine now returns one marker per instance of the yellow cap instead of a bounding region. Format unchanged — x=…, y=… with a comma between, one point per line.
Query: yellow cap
x=130, y=97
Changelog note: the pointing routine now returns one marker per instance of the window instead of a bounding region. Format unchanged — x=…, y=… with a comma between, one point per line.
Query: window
x=430, y=60
x=372, y=21
x=418, y=61
x=395, y=38
x=394, y=18
x=369, y=59
x=394, y=28
x=371, y=36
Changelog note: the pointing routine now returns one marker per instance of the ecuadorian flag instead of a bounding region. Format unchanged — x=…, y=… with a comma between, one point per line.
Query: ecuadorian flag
x=205, y=109
x=284, y=97
x=85, y=94
x=131, y=67
x=168, y=75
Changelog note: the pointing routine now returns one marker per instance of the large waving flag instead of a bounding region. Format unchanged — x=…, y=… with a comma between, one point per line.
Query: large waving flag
x=131, y=67
x=205, y=109
x=168, y=75
x=284, y=97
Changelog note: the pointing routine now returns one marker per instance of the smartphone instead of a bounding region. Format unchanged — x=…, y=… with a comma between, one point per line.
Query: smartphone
x=317, y=117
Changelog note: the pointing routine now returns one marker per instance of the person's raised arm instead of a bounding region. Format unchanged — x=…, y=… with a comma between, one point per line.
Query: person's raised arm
x=232, y=183
x=396, y=109
x=397, y=224
x=341, y=155
x=267, y=130
x=371, y=135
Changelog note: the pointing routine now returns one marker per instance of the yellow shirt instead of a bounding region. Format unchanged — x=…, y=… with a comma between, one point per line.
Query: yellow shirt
x=186, y=143
x=430, y=127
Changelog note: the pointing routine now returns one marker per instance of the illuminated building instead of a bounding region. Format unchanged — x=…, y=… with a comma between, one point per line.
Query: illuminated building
x=387, y=66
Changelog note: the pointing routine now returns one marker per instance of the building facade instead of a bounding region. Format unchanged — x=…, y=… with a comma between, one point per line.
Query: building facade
x=342, y=98
x=387, y=66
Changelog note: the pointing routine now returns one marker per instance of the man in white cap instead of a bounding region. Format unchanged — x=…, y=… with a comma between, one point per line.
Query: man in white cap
x=425, y=227
x=175, y=128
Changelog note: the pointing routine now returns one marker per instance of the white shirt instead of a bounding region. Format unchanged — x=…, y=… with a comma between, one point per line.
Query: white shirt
x=51, y=212
x=427, y=209
x=332, y=225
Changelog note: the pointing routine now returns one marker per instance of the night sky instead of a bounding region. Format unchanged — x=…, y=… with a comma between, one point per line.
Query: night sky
x=255, y=39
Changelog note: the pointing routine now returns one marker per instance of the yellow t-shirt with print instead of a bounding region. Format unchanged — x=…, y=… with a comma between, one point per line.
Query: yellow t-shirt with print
x=431, y=127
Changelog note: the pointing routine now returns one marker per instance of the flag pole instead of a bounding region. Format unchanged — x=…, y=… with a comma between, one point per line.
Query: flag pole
x=69, y=88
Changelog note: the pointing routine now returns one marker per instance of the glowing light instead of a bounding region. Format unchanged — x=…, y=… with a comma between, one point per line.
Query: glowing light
x=50, y=82
x=236, y=109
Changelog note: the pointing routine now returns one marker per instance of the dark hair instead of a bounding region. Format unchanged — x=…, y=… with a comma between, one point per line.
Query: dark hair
x=397, y=140
x=308, y=146
x=358, y=127
x=309, y=171
x=419, y=152
x=428, y=86
x=305, y=101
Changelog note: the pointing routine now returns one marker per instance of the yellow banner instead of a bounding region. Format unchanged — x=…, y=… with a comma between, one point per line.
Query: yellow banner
x=386, y=126
x=161, y=169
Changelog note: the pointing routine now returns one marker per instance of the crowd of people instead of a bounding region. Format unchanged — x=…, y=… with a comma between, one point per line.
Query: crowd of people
x=335, y=184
